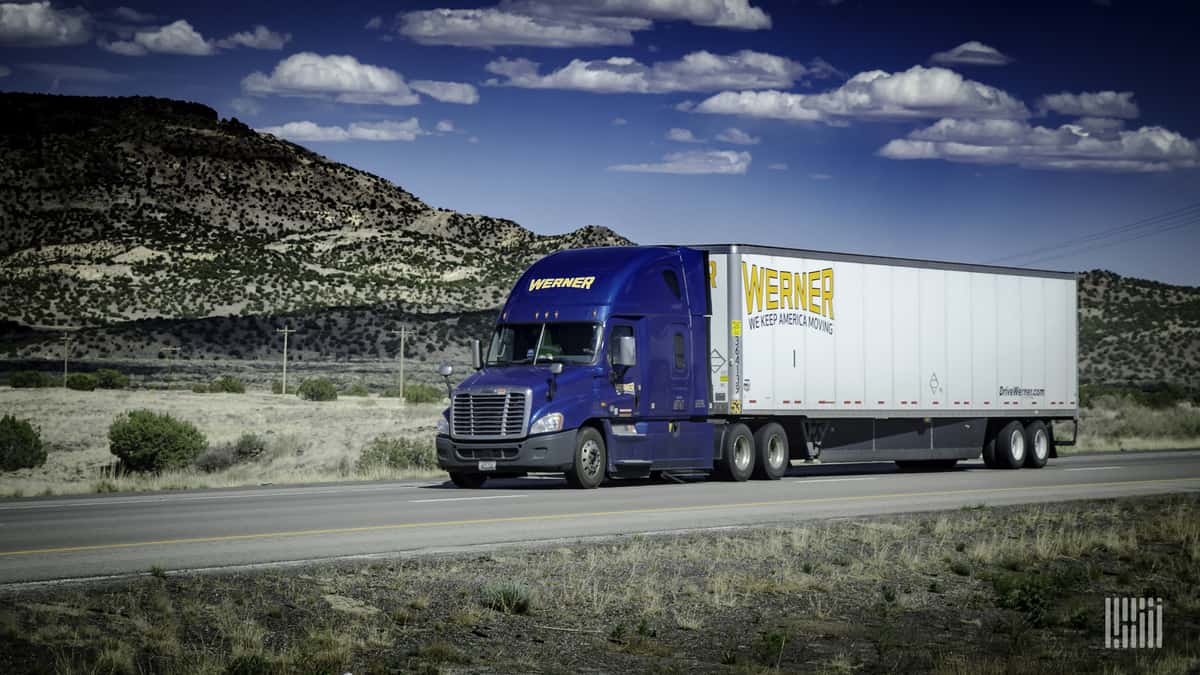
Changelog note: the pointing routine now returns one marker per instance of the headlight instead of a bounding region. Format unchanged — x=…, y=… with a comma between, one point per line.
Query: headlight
x=443, y=426
x=547, y=423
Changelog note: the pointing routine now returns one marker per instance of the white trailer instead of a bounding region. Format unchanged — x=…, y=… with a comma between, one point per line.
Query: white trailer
x=858, y=358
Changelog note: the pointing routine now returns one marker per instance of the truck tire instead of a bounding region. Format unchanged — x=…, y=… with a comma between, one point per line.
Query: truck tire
x=771, y=452
x=737, y=454
x=591, y=460
x=1010, y=446
x=989, y=451
x=1037, y=442
x=470, y=481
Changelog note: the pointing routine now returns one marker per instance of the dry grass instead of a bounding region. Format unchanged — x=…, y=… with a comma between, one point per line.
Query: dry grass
x=306, y=441
x=836, y=597
x=1119, y=423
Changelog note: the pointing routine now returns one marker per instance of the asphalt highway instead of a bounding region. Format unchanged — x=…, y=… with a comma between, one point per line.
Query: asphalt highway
x=89, y=536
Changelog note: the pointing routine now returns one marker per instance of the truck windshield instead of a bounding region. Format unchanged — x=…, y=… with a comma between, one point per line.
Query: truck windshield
x=523, y=343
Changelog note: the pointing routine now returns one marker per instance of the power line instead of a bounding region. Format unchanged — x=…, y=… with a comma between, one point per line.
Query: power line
x=1106, y=244
x=1164, y=219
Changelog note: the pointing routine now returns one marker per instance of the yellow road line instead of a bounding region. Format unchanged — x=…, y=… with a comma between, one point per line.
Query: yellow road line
x=563, y=516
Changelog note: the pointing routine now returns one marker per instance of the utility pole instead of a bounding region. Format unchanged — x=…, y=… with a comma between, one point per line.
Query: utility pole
x=66, y=340
x=286, y=332
x=403, y=333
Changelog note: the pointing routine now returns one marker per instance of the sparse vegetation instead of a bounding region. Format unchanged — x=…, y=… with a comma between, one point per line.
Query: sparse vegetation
x=356, y=389
x=20, y=445
x=397, y=453
x=145, y=440
x=317, y=389
x=737, y=601
x=81, y=382
x=107, y=378
x=423, y=393
x=30, y=379
x=227, y=384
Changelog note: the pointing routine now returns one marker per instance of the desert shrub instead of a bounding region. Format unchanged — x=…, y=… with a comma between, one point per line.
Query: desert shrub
x=507, y=597
x=356, y=389
x=423, y=393
x=227, y=385
x=397, y=453
x=30, y=379
x=247, y=447
x=317, y=389
x=200, y=389
x=390, y=392
x=148, y=441
x=276, y=387
x=107, y=378
x=81, y=382
x=20, y=445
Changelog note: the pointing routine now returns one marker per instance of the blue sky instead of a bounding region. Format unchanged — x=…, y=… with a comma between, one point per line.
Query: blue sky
x=961, y=131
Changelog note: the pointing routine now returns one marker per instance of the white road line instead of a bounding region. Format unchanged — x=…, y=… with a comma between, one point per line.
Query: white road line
x=1094, y=468
x=465, y=499
x=835, y=480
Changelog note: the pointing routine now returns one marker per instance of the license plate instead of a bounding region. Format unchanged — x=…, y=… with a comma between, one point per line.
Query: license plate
x=487, y=466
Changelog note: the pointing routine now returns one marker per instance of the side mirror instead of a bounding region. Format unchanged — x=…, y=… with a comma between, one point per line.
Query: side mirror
x=476, y=355
x=556, y=368
x=624, y=352
x=446, y=370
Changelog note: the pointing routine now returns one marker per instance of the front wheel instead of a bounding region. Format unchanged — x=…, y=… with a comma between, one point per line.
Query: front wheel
x=587, y=471
x=470, y=481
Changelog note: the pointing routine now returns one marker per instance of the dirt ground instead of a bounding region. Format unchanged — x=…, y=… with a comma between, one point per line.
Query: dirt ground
x=306, y=440
x=980, y=590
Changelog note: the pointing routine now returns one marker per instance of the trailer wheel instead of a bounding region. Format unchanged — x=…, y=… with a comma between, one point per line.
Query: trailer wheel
x=470, y=481
x=771, y=450
x=737, y=453
x=1010, y=446
x=1037, y=440
x=587, y=471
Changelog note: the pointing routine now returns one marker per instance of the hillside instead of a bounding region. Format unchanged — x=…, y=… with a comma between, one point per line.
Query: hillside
x=115, y=209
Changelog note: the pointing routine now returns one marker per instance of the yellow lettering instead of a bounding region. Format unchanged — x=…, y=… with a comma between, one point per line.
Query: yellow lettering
x=785, y=290
x=587, y=282
x=827, y=292
x=754, y=289
x=712, y=273
x=771, y=281
x=814, y=292
x=535, y=284
x=577, y=282
x=801, y=286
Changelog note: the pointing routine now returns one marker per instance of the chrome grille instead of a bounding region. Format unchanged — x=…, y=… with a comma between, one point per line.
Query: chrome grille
x=489, y=415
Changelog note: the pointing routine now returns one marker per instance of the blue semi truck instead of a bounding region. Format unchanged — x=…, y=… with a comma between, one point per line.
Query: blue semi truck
x=736, y=360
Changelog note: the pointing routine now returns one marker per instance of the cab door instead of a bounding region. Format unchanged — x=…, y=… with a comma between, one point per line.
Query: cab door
x=622, y=393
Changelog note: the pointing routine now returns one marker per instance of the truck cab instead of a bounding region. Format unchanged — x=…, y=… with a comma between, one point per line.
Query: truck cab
x=597, y=367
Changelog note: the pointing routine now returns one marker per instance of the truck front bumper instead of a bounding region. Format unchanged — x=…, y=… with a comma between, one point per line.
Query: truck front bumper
x=545, y=452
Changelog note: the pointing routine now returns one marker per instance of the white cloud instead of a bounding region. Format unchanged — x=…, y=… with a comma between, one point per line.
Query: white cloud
x=122, y=47
x=447, y=92
x=37, y=24
x=406, y=130
x=820, y=176
x=619, y=122
x=737, y=137
x=473, y=140
x=571, y=23
x=446, y=127
x=697, y=71
x=491, y=27
x=260, y=38
x=972, y=54
x=341, y=77
x=5, y=71
x=175, y=38
x=778, y=166
x=374, y=23
x=132, y=15
x=1070, y=146
x=683, y=136
x=1091, y=104
x=915, y=93
x=246, y=107
x=694, y=162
